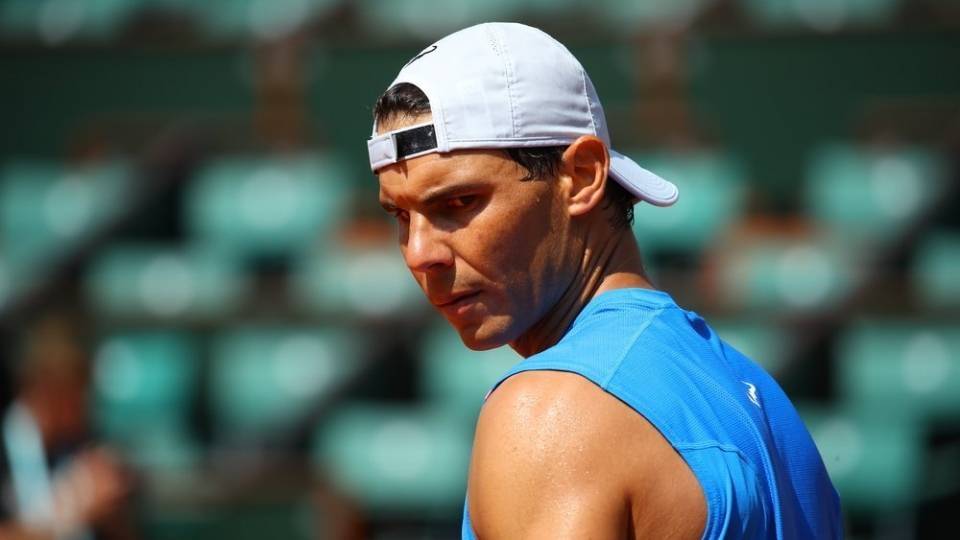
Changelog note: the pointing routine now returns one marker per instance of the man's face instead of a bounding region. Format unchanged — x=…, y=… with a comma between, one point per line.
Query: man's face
x=487, y=247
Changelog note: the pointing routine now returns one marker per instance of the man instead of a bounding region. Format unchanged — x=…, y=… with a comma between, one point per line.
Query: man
x=629, y=417
x=52, y=484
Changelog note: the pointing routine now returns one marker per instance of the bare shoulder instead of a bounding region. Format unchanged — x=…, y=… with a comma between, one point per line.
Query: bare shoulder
x=555, y=455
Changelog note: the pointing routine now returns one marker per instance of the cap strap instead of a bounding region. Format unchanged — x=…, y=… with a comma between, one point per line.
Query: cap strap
x=394, y=146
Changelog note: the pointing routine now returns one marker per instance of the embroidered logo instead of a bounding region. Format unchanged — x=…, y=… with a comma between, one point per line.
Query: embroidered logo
x=425, y=52
x=752, y=393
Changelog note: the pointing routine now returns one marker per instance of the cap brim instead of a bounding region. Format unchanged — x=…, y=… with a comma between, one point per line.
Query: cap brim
x=641, y=182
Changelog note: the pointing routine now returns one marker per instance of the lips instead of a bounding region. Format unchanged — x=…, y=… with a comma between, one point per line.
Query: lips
x=456, y=300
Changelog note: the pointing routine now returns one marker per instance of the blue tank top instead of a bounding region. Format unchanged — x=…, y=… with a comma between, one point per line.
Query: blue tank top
x=760, y=471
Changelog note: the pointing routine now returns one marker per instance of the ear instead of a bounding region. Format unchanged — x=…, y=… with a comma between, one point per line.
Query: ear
x=584, y=168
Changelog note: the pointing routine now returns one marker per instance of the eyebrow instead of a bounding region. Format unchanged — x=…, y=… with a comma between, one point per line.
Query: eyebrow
x=432, y=195
x=442, y=192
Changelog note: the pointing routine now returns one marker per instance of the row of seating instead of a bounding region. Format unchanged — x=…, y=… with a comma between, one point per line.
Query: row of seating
x=907, y=370
x=896, y=379
x=764, y=274
x=276, y=205
x=58, y=21
x=239, y=208
x=262, y=378
x=859, y=195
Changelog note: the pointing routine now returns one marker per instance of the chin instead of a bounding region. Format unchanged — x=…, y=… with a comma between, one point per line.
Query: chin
x=483, y=336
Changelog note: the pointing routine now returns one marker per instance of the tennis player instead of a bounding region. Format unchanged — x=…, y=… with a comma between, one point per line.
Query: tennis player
x=629, y=417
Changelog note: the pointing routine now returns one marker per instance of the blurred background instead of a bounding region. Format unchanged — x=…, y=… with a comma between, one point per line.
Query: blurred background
x=207, y=331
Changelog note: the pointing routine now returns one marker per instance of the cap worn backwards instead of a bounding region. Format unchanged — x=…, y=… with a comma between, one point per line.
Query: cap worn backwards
x=506, y=85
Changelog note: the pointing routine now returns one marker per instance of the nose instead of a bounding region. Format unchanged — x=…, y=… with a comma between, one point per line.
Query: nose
x=426, y=248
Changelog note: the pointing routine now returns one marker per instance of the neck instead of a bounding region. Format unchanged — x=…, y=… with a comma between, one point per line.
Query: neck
x=604, y=266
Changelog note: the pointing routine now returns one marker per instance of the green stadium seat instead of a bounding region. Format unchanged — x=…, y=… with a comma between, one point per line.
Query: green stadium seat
x=145, y=281
x=786, y=273
x=263, y=378
x=822, y=15
x=58, y=21
x=864, y=195
x=630, y=16
x=896, y=368
x=935, y=270
x=358, y=281
x=267, y=207
x=874, y=463
x=712, y=197
x=422, y=19
x=46, y=208
x=758, y=339
x=457, y=379
x=396, y=460
x=144, y=385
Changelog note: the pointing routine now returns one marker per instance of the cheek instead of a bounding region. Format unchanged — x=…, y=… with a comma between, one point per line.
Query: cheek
x=524, y=253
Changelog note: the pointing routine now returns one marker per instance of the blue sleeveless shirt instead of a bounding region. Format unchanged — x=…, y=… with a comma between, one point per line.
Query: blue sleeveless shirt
x=760, y=471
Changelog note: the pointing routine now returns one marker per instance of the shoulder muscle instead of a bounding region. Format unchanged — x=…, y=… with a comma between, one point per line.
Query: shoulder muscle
x=539, y=465
x=556, y=456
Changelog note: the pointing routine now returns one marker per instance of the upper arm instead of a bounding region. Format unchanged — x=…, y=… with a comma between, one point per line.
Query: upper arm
x=539, y=465
x=555, y=456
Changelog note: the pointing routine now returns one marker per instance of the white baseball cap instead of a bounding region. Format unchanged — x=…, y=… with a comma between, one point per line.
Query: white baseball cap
x=507, y=85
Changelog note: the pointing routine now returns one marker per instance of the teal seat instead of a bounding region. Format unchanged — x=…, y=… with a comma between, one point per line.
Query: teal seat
x=457, y=379
x=874, y=463
x=265, y=378
x=822, y=15
x=421, y=18
x=46, y=208
x=147, y=281
x=934, y=273
x=712, y=197
x=758, y=339
x=144, y=386
x=396, y=460
x=869, y=196
x=897, y=368
x=776, y=273
x=357, y=281
x=56, y=21
x=267, y=207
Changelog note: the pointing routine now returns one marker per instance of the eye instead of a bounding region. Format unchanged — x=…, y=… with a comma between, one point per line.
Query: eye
x=463, y=201
x=398, y=213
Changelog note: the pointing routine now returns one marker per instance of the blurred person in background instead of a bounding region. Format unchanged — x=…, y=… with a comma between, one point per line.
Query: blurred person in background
x=492, y=152
x=55, y=483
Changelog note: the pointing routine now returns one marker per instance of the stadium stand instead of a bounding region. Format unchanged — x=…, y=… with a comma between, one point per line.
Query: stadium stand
x=262, y=379
x=266, y=207
x=145, y=383
x=456, y=379
x=397, y=459
x=714, y=196
x=233, y=317
x=165, y=282
x=935, y=270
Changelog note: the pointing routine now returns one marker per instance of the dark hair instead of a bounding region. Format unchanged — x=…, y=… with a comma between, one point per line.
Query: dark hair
x=406, y=100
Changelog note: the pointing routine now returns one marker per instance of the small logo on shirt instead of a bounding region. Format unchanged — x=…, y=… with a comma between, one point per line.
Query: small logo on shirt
x=752, y=393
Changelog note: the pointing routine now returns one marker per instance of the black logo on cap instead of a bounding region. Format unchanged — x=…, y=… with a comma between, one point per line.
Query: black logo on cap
x=425, y=52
